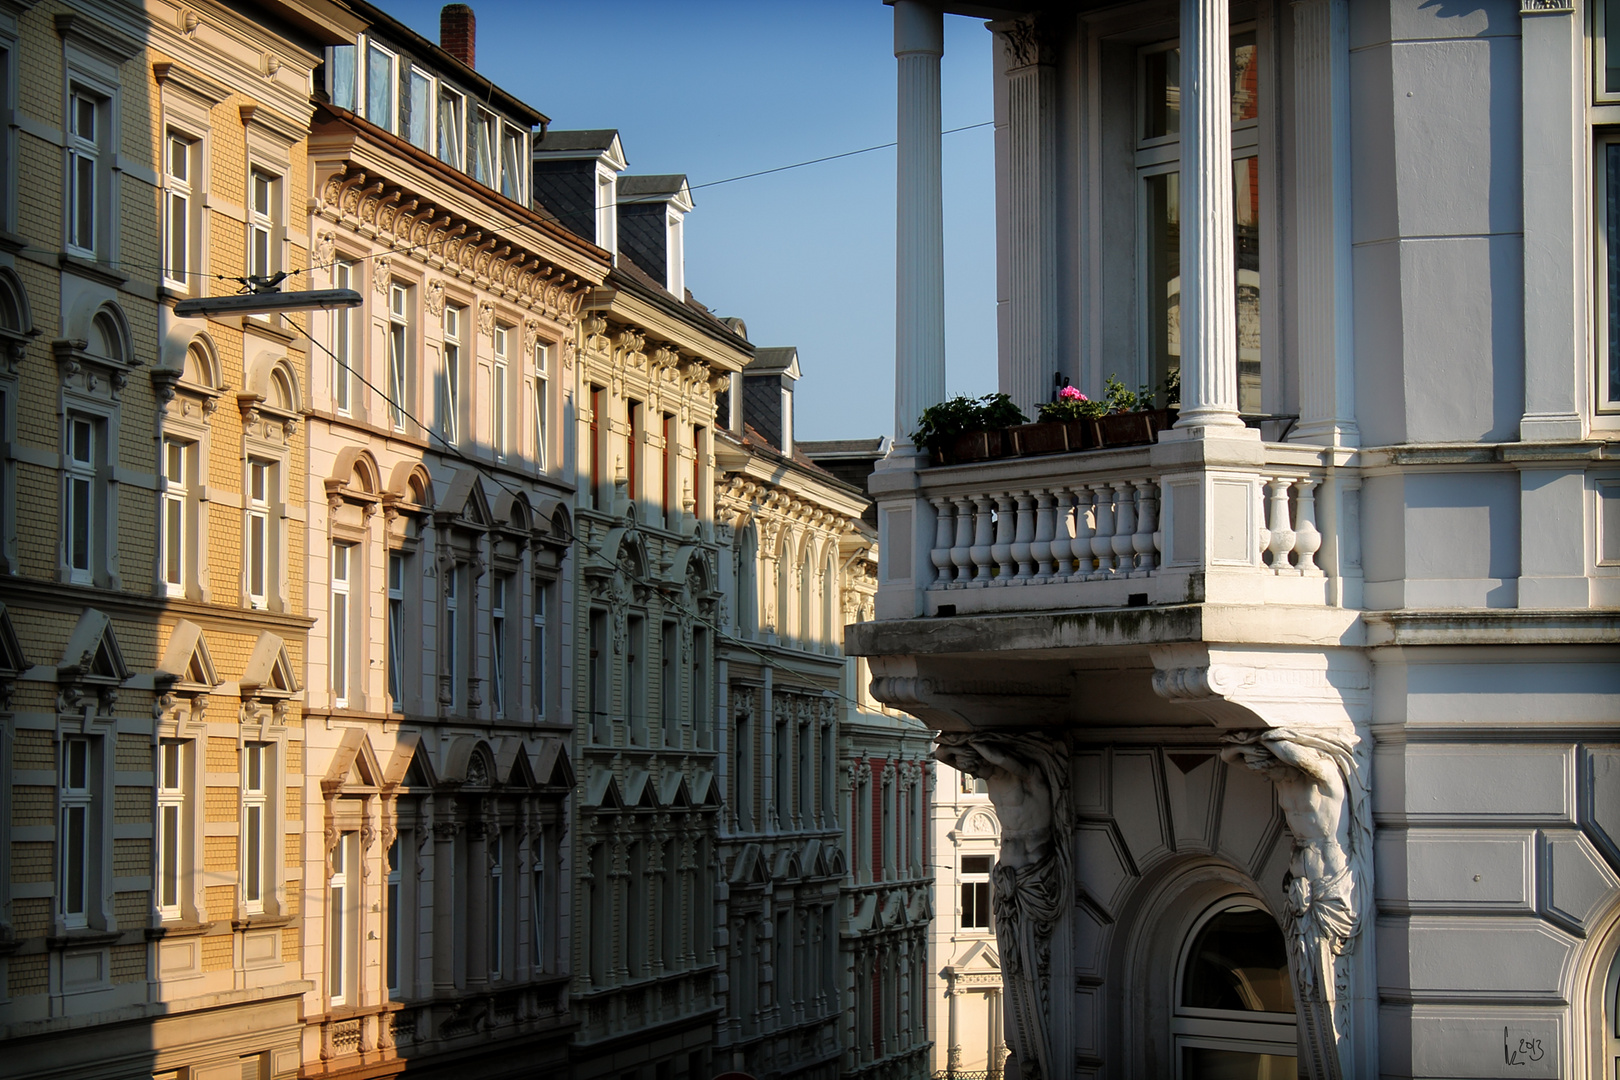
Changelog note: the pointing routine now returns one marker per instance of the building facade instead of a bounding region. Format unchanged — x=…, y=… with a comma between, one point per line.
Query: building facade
x=641, y=406
x=782, y=523
x=439, y=877
x=153, y=643
x=1298, y=721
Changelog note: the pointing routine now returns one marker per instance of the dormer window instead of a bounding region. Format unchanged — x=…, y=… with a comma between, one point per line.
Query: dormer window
x=676, y=250
x=606, y=212
x=483, y=148
x=380, y=85
x=452, y=110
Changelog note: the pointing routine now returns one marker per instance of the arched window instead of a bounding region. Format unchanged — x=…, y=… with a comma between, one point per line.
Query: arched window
x=785, y=574
x=1235, y=1000
x=832, y=634
x=747, y=591
x=807, y=589
x=107, y=337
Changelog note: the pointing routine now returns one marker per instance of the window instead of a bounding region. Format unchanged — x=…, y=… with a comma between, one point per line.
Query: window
x=497, y=907
x=86, y=119
x=497, y=393
x=175, y=526
x=1158, y=158
x=1235, y=1002
x=398, y=352
x=539, y=663
x=343, y=918
x=77, y=801
x=416, y=108
x=634, y=411
x=779, y=766
x=450, y=371
x=264, y=196
x=669, y=684
x=340, y=75
x=171, y=824
x=452, y=113
x=700, y=685
x=396, y=630
x=542, y=375
x=672, y=514
x=497, y=645
x=597, y=688
x=450, y=664
x=1608, y=382
x=744, y=773
x=339, y=623
x=607, y=212
x=483, y=147
x=380, y=85
x=257, y=851
x=393, y=915
x=538, y=930
x=512, y=163
x=598, y=425
x=635, y=924
x=260, y=482
x=179, y=228
x=344, y=352
x=80, y=497
x=635, y=680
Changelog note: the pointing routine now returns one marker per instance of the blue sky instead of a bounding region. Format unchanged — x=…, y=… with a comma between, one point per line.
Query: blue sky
x=716, y=88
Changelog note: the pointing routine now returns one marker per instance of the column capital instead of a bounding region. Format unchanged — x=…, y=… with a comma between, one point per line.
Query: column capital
x=919, y=27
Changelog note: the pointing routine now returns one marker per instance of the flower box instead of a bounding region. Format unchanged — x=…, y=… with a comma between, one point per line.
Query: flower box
x=1125, y=429
x=1043, y=437
x=980, y=446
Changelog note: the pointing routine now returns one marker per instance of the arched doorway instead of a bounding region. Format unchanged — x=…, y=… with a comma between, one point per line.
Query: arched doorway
x=1234, y=1000
x=1610, y=1014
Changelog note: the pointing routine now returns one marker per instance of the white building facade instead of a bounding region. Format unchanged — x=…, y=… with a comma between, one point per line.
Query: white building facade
x=1299, y=720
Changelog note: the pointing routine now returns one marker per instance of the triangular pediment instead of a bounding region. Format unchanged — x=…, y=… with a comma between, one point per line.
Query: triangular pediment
x=92, y=651
x=354, y=764
x=269, y=670
x=555, y=769
x=979, y=956
x=186, y=659
x=603, y=790
x=705, y=791
x=638, y=792
x=673, y=792
x=465, y=498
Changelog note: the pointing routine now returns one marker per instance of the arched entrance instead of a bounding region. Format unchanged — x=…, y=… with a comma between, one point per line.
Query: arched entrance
x=1234, y=1000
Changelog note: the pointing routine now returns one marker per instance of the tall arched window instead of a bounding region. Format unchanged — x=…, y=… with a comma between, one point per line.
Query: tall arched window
x=1234, y=998
x=807, y=592
x=747, y=578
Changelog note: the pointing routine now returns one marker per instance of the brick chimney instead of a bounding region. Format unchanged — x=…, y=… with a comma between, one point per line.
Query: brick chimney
x=458, y=32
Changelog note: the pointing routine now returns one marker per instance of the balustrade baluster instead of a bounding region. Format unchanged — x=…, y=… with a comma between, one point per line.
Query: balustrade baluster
x=1102, y=544
x=964, y=541
x=1001, y=550
x=1307, y=538
x=1024, y=537
x=1282, y=531
x=1080, y=546
x=983, y=537
x=1263, y=533
x=1124, y=525
x=1062, y=535
x=1040, y=550
x=941, y=553
x=1147, y=524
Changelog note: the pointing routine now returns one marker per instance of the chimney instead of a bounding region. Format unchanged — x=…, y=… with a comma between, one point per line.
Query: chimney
x=458, y=32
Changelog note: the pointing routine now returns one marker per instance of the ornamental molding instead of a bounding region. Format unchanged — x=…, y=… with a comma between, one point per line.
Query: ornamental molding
x=1028, y=41
x=1242, y=687
x=444, y=239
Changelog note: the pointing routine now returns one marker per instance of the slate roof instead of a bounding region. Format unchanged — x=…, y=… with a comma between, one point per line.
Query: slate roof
x=770, y=359
x=584, y=139
x=650, y=188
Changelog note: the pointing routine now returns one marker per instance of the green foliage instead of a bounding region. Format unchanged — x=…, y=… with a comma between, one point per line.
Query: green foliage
x=1118, y=399
x=940, y=425
x=1073, y=409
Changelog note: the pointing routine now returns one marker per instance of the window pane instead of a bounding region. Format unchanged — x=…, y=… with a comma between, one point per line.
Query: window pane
x=1239, y=961
x=1209, y=1064
x=171, y=857
x=253, y=884
x=257, y=528
x=1612, y=227
x=1163, y=201
x=975, y=864
x=342, y=76
x=1161, y=79
x=1245, y=78
x=84, y=202
x=74, y=846
x=380, y=88
x=178, y=213
x=417, y=106
x=1246, y=226
x=79, y=539
x=173, y=539
x=450, y=128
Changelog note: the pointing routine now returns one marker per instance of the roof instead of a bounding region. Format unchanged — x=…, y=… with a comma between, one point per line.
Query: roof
x=583, y=139
x=664, y=184
x=775, y=359
x=842, y=448
x=627, y=272
x=753, y=440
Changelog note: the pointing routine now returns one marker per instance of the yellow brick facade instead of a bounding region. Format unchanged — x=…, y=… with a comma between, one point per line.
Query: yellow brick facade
x=107, y=656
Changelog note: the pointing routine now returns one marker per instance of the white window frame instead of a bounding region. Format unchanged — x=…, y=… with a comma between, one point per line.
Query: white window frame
x=76, y=796
x=340, y=620
x=264, y=221
x=389, y=93
x=259, y=515
x=539, y=681
x=343, y=911
x=180, y=205
x=82, y=473
x=499, y=396
x=450, y=363
x=176, y=521
x=542, y=396
x=396, y=630
x=450, y=139
x=486, y=133
x=399, y=352
x=257, y=791
x=171, y=844
x=344, y=353
x=499, y=597
x=85, y=153
x=418, y=77
x=450, y=663
x=512, y=183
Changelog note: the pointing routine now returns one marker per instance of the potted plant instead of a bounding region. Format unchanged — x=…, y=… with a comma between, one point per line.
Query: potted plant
x=967, y=429
x=1068, y=423
x=1131, y=418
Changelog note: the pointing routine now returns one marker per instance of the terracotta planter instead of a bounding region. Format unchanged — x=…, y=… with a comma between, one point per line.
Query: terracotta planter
x=980, y=446
x=1045, y=437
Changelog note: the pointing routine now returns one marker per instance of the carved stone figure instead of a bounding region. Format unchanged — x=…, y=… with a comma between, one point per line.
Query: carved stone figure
x=1027, y=778
x=1321, y=790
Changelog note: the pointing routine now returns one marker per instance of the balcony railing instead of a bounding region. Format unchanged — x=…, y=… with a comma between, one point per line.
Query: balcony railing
x=1130, y=527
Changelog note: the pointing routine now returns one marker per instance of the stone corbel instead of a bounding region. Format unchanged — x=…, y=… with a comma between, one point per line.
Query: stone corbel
x=1242, y=687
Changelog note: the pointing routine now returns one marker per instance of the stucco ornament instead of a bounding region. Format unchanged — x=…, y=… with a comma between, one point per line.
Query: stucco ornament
x=1027, y=776
x=1322, y=791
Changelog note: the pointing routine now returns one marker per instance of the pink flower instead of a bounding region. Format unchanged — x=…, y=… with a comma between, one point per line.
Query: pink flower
x=1071, y=393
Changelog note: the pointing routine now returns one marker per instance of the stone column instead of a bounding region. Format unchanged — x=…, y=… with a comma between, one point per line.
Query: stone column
x=1555, y=316
x=1030, y=243
x=919, y=300
x=1208, y=264
x=1322, y=189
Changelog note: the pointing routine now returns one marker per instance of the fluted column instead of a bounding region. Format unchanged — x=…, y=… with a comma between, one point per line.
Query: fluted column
x=1208, y=270
x=1322, y=189
x=919, y=300
x=1030, y=242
